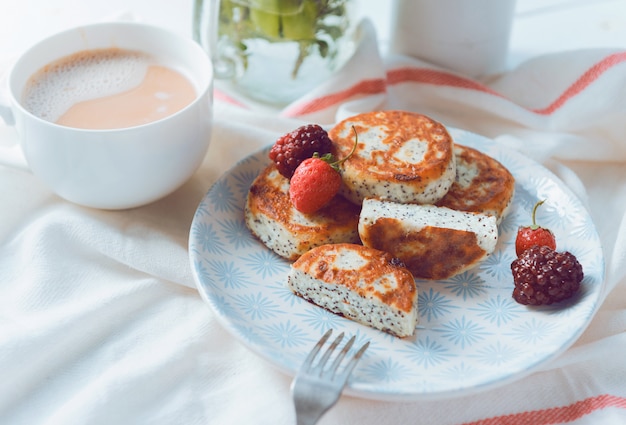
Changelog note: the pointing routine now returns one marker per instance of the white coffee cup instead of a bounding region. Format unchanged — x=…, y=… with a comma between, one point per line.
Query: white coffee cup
x=470, y=37
x=118, y=168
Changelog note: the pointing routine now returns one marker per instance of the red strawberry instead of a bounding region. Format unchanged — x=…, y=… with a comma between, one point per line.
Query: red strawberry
x=314, y=183
x=529, y=236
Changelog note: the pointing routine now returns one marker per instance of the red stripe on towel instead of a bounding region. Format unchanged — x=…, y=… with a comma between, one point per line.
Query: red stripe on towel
x=556, y=415
x=591, y=75
x=443, y=78
x=436, y=78
x=223, y=97
x=363, y=88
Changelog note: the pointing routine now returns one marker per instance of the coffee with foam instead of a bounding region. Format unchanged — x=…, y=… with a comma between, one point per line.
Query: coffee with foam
x=106, y=88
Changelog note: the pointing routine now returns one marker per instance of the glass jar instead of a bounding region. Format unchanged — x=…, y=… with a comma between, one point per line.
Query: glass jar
x=275, y=51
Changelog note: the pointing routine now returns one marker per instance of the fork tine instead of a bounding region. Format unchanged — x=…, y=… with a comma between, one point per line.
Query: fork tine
x=329, y=351
x=353, y=361
x=341, y=355
x=315, y=390
x=309, y=359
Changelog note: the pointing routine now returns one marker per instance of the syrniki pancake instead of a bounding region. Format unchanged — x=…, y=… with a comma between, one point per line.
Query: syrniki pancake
x=363, y=284
x=434, y=242
x=400, y=156
x=482, y=184
x=272, y=218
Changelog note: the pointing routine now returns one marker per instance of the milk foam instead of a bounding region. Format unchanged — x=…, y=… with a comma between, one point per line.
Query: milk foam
x=83, y=76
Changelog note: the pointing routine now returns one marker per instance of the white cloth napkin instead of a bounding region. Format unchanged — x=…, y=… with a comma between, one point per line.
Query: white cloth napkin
x=100, y=322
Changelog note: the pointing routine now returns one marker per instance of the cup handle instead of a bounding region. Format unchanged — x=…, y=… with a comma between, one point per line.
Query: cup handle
x=12, y=155
x=6, y=114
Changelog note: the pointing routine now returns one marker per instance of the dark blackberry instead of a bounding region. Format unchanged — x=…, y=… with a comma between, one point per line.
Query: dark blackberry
x=296, y=146
x=545, y=276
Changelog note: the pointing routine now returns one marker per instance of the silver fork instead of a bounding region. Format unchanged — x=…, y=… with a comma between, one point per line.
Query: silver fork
x=315, y=389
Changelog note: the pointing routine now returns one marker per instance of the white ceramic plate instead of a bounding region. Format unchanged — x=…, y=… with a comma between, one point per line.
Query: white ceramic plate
x=472, y=335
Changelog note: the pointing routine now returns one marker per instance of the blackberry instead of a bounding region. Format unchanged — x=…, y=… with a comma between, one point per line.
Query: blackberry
x=545, y=276
x=296, y=146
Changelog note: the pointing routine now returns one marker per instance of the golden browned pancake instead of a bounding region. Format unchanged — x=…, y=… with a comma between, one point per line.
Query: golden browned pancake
x=482, y=184
x=434, y=242
x=400, y=156
x=272, y=218
x=363, y=284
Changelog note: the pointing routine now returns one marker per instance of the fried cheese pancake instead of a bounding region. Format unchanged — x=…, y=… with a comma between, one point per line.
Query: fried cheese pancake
x=482, y=184
x=434, y=242
x=360, y=283
x=272, y=218
x=400, y=156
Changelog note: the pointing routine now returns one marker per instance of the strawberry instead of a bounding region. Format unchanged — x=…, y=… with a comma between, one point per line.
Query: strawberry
x=529, y=236
x=316, y=181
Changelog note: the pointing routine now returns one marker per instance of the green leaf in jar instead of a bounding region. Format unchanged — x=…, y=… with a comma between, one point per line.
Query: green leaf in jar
x=315, y=25
x=264, y=18
x=323, y=48
x=277, y=7
x=301, y=25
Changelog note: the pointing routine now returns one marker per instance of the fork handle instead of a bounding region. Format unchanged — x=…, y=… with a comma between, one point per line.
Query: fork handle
x=308, y=418
x=310, y=413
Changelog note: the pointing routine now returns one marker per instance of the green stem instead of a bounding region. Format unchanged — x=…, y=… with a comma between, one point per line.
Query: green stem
x=535, y=226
